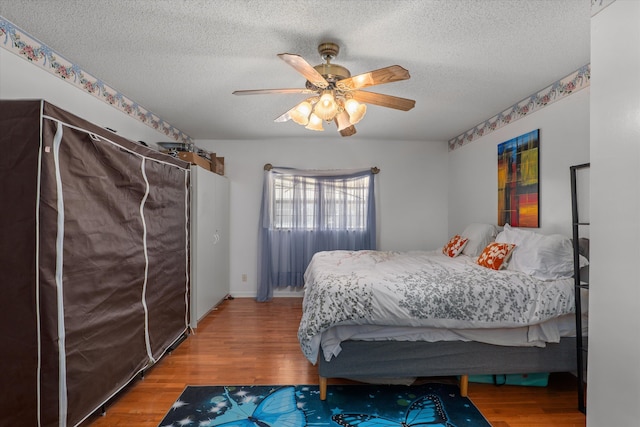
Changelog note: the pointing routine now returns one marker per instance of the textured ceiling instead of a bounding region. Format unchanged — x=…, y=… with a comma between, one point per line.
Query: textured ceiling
x=182, y=59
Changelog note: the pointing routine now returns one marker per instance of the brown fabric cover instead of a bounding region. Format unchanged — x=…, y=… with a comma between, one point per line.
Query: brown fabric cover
x=18, y=328
x=103, y=282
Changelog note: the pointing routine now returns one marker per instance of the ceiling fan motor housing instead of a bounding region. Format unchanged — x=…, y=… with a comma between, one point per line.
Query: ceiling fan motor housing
x=336, y=96
x=331, y=72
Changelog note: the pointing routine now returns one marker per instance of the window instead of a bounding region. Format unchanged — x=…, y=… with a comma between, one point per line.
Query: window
x=305, y=212
x=309, y=203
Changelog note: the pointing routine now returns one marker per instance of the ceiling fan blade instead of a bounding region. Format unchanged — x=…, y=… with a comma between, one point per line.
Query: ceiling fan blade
x=287, y=116
x=283, y=118
x=269, y=91
x=389, y=74
x=382, y=100
x=351, y=130
x=304, y=68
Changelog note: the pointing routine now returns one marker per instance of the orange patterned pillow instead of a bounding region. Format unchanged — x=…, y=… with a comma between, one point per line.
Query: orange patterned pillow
x=496, y=255
x=455, y=246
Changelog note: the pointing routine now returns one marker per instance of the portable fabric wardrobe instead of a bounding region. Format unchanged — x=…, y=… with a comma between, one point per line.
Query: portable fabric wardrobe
x=94, y=249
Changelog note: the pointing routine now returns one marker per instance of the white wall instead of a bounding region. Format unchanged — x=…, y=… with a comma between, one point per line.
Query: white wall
x=564, y=141
x=412, y=194
x=614, y=339
x=19, y=79
x=411, y=190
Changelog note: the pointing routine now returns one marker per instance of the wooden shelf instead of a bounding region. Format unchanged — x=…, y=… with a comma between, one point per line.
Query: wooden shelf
x=216, y=165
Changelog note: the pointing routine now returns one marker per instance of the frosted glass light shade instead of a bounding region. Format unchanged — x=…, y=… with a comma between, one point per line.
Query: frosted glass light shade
x=356, y=110
x=315, y=123
x=326, y=108
x=300, y=114
x=342, y=120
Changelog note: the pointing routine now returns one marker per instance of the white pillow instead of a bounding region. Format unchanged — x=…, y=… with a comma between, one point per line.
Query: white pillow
x=479, y=235
x=544, y=257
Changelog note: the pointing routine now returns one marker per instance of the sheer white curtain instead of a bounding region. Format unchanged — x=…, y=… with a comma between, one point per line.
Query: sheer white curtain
x=307, y=211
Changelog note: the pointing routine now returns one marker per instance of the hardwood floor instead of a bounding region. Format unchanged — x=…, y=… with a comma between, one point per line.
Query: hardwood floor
x=246, y=342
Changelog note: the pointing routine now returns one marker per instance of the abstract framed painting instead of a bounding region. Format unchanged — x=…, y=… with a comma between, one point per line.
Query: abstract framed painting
x=518, y=181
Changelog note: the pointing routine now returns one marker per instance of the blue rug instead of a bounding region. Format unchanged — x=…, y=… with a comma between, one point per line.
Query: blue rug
x=346, y=406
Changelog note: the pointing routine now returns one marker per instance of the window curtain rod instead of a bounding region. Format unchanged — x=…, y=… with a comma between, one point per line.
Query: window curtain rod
x=374, y=169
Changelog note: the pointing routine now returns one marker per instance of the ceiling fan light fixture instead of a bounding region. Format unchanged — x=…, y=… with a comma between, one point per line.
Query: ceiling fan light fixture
x=355, y=109
x=327, y=107
x=315, y=123
x=334, y=92
x=342, y=120
x=300, y=114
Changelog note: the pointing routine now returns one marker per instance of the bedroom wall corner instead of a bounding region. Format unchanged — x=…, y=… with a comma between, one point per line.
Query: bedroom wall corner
x=564, y=141
x=21, y=79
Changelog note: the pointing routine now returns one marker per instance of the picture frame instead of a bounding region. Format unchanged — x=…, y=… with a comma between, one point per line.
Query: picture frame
x=519, y=181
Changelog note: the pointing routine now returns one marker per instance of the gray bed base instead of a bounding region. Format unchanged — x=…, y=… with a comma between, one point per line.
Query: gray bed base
x=394, y=359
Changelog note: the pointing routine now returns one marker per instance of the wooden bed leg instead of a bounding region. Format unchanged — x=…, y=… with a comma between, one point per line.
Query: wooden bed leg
x=464, y=385
x=323, y=388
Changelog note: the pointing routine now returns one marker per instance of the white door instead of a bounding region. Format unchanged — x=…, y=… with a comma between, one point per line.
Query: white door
x=209, y=242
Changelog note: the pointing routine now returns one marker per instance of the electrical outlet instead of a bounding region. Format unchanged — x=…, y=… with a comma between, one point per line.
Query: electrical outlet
x=244, y=277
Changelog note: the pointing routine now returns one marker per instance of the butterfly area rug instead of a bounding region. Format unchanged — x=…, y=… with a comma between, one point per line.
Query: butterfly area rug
x=346, y=406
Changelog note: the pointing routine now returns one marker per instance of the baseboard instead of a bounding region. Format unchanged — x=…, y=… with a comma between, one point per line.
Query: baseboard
x=276, y=294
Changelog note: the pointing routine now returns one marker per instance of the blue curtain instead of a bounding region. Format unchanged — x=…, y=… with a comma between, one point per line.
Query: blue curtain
x=304, y=212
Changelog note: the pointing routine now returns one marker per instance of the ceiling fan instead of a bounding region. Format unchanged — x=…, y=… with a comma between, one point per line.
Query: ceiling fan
x=336, y=95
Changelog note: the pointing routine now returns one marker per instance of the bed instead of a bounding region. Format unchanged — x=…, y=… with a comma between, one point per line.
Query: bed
x=488, y=302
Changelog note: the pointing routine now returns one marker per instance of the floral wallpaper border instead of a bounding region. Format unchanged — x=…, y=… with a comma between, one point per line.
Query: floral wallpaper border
x=39, y=54
x=560, y=89
x=564, y=87
x=19, y=42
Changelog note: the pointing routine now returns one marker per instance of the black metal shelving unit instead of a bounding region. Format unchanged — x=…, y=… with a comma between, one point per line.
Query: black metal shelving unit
x=581, y=281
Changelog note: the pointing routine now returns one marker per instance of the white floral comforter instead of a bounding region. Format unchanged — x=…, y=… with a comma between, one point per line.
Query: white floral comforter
x=421, y=289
